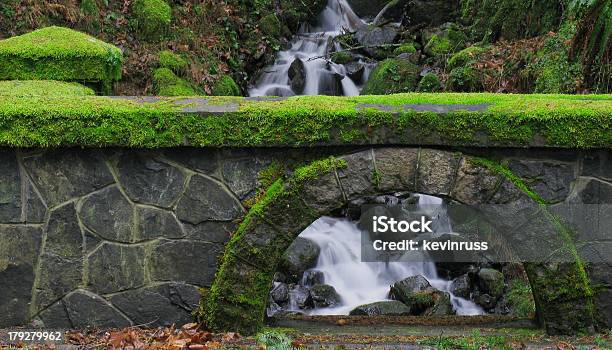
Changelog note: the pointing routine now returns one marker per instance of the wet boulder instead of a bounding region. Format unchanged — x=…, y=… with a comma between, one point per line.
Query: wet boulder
x=402, y=290
x=491, y=281
x=301, y=255
x=324, y=295
x=381, y=308
x=373, y=38
x=301, y=296
x=280, y=293
x=486, y=301
x=355, y=70
x=297, y=76
x=461, y=286
x=442, y=305
x=392, y=76
x=312, y=277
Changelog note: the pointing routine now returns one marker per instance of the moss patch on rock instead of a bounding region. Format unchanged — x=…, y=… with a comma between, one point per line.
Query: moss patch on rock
x=172, y=61
x=166, y=83
x=226, y=86
x=392, y=76
x=152, y=18
x=501, y=120
x=429, y=83
x=56, y=53
x=25, y=88
x=449, y=40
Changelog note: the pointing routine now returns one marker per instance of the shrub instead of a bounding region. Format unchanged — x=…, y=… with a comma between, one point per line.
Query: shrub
x=172, y=61
x=226, y=86
x=270, y=25
x=152, y=18
x=520, y=298
x=392, y=76
x=465, y=56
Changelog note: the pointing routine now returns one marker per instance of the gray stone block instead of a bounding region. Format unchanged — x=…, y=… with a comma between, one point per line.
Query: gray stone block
x=113, y=268
x=109, y=214
x=154, y=223
x=206, y=199
x=89, y=310
x=184, y=261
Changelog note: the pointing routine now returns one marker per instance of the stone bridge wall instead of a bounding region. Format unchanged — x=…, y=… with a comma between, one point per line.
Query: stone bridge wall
x=121, y=237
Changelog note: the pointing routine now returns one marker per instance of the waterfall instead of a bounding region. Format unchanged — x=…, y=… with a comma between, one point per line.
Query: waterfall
x=359, y=282
x=312, y=45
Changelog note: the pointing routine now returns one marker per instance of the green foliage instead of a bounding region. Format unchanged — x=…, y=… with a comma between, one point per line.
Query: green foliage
x=509, y=120
x=429, y=83
x=408, y=48
x=172, y=61
x=474, y=342
x=166, y=83
x=341, y=57
x=510, y=19
x=42, y=88
x=553, y=70
x=89, y=7
x=464, y=79
x=270, y=25
x=56, y=53
x=520, y=298
x=226, y=86
x=152, y=18
x=274, y=340
x=465, y=57
x=392, y=76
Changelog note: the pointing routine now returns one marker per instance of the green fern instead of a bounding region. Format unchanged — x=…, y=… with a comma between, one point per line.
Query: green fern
x=274, y=340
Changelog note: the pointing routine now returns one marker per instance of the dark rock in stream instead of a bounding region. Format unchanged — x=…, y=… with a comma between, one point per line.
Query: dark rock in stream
x=301, y=255
x=324, y=295
x=312, y=277
x=461, y=286
x=280, y=293
x=301, y=296
x=381, y=308
x=355, y=70
x=402, y=290
x=297, y=76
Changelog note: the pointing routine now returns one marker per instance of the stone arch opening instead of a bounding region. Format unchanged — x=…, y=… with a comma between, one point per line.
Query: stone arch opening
x=238, y=297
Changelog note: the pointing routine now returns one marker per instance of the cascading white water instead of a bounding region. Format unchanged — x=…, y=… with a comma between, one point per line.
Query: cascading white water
x=360, y=282
x=311, y=45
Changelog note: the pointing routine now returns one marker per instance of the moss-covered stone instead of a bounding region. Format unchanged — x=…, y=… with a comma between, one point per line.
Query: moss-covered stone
x=152, y=18
x=56, y=53
x=449, y=40
x=226, y=86
x=166, y=83
x=429, y=83
x=464, y=79
x=392, y=76
x=495, y=120
x=408, y=48
x=341, y=57
x=172, y=61
x=465, y=57
x=42, y=88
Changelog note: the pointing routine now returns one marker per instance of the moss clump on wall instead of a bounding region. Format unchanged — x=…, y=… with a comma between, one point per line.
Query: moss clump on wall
x=172, y=61
x=392, y=76
x=152, y=18
x=226, y=86
x=56, y=53
x=506, y=120
x=42, y=88
x=166, y=83
x=429, y=83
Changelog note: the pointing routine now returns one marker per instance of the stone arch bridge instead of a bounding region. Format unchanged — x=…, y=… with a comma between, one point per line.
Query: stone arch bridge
x=131, y=211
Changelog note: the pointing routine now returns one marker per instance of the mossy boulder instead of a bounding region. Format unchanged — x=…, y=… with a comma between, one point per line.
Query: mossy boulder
x=341, y=57
x=172, y=61
x=57, y=53
x=381, y=308
x=152, y=18
x=491, y=282
x=465, y=56
x=450, y=39
x=392, y=76
x=301, y=255
x=25, y=88
x=464, y=79
x=429, y=83
x=408, y=48
x=166, y=83
x=226, y=86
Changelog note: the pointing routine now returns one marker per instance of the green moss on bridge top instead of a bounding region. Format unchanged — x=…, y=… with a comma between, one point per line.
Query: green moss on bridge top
x=568, y=121
x=57, y=53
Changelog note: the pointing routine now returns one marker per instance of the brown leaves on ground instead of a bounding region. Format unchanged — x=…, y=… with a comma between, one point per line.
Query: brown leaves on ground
x=188, y=337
